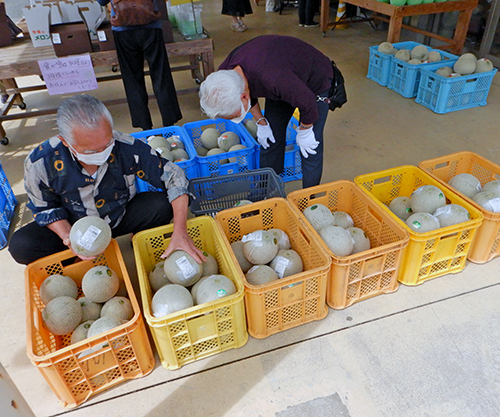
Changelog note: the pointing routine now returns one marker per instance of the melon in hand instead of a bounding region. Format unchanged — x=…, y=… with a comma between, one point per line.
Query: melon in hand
x=90, y=236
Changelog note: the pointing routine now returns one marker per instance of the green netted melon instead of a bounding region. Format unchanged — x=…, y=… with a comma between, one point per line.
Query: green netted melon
x=157, y=277
x=414, y=61
x=81, y=331
x=165, y=153
x=492, y=186
x=467, y=184
x=62, y=315
x=419, y=52
x=103, y=325
x=178, y=144
x=214, y=288
x=483, y=65
x=181, y=268
x=338, y=240
x=361, y=241
x=237, y=248
x=227, y=140
x=260, y=275
x=56, y=286
x=400, y=206
x=282, y=237
x=488, y=200
x=90, y=236
x=119, y=307
x=422, y=222
x=287, y=262
x=170, y=299
x=465, y=65
x=201, y=151
x=194, y=288
x=90, y=310
x=100, y=283
x=217, y=151
x=444, y=71
x=387, y=48
x=403, y=55
x=434, y=56
x=451, y=214
x=427, y=198
x=209, y=138
x=210, y=266
x=238, y=147
x=251, y=126
x=342, y=219
x=260, y=247
x=319, y=216
x=158, y=142
x=179, y=154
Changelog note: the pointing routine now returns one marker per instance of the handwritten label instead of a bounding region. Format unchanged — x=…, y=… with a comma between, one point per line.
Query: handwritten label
x=69, y=74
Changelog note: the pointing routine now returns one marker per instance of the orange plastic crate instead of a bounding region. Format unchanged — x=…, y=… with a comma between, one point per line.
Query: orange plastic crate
x=72, y=373
x=290, y=301
x=486, y=244
x=366, y=274
x=432, y=254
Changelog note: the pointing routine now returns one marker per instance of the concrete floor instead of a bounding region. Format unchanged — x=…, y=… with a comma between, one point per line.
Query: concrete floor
x=430, y=350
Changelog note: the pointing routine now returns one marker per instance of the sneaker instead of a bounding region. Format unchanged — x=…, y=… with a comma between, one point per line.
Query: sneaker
x=311, y=25
x=242, y=25
x=235, y=27
x=301, y=25
x=4, y=98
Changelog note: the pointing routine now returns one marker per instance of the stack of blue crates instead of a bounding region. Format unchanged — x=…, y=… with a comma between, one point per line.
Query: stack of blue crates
x=8, y=203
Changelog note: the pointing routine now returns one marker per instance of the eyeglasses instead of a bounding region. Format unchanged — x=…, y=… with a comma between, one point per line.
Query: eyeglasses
x=110, y=143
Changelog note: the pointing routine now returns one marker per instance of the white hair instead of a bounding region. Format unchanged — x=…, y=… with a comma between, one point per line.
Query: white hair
x=220, y=94
x=83, y=111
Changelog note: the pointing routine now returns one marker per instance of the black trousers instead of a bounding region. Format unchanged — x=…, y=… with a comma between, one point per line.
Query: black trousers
x=307, y=10
x=132, y=47
x=144, y=211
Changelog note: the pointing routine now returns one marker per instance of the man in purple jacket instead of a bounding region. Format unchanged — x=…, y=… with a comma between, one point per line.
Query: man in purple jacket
x=289, y=74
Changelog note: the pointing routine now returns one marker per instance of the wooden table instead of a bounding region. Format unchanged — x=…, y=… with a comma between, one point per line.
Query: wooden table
x=397, y=13
x=21, y=59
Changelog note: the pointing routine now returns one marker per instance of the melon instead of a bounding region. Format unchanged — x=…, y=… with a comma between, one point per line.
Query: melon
x=251, y=126
x=319, y=216
x=165, y=153
x=56, y=286
x=90, y=236
x=177, y=145
x=180, y=268
x=414, y=61
x=227, y=140
x=242, y=203
x=260, y=247
x=201, y=151
x=157, y=277
x=467, y=184
x=119, y=307
x=209, y=266
x=239, y=147
x=260, y=275
x=419, y=52
x=427, y=198
x=282, y=237
x=342, y=219
x=434, y=56
x=387, y=48
x=170, y=299
x=194, y=288
x=422, y=222
x=100, y=283
x=287, y=262
x=237, y=248
x=403, y=55
x=213, y=288
x=465, y=65
x=483, y=65
x=451, y=214
x=361, y=241
x=179, y=154
x=81, y=331
x=400, y=206
x=444, y=71
x=62, y=315
x=492, y=187
x=338, y=240
x=100, y=326
x=217, y=151
x=209, y=138
x=488, y=200
x=158, y=142
x=90, y=310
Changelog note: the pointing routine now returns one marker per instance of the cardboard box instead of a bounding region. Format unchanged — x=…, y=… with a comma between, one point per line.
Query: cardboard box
x=105, y=39
x=37, y=20
x=70, y=38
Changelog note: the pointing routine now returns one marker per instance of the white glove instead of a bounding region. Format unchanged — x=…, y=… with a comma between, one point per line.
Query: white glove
x=307, y=141
x=264, y=132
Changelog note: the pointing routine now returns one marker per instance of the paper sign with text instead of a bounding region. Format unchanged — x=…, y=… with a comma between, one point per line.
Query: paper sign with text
x=68, y=75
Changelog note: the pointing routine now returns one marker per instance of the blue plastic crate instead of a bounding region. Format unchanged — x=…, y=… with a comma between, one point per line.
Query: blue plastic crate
x=404, y=78
x=190, y=166
x=8, y=203
x=379, y=66
x=447, y=94
x=210, y=166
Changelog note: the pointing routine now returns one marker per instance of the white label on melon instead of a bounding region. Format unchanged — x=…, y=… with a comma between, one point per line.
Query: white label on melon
x=89, y=237
x=257, y=236
x=159, y=150
x=281, y=265
x=186, y=268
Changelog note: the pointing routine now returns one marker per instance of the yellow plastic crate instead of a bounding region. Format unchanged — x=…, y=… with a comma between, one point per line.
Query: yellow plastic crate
x=290, y=301
x=202, y=330
x=73, y=378
x=432, y=254
x=366, y=274
x=486, y=244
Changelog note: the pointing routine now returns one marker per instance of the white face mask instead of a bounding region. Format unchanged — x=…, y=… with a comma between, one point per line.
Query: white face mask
x=244, y=112
x=97, y=158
